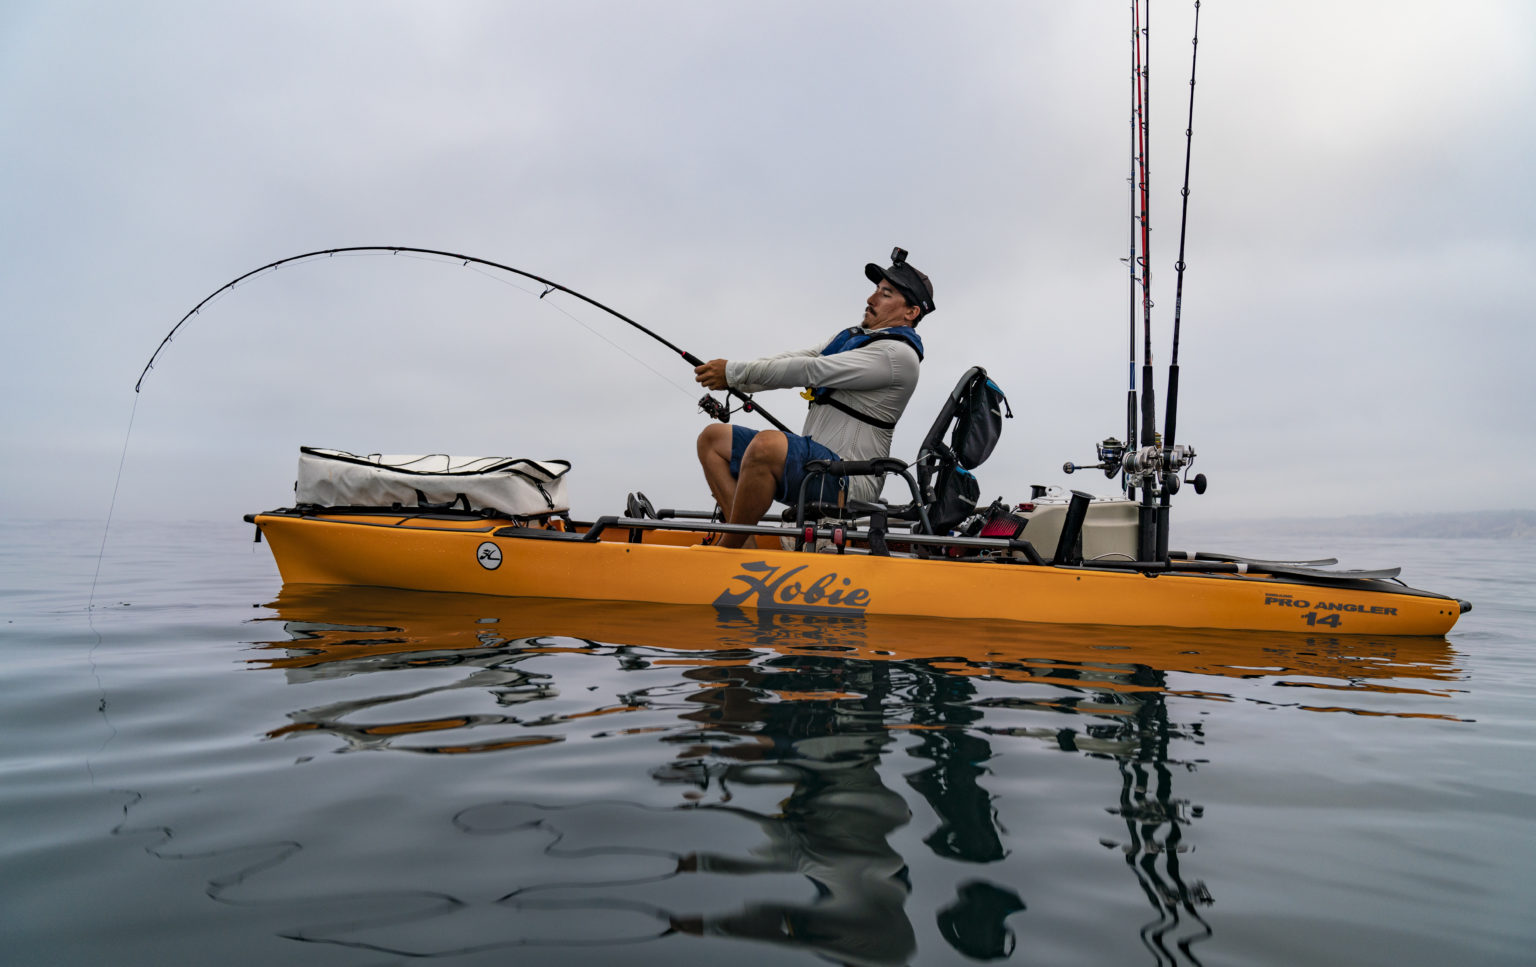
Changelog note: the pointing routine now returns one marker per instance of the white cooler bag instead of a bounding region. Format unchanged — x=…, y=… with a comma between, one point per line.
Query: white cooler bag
x=514, y=486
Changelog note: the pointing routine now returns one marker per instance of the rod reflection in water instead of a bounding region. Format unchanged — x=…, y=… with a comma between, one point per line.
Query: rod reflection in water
x=780, y=724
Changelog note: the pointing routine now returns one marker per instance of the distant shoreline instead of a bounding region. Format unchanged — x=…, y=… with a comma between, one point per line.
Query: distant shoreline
x=1465, y=525
x=1490, y=524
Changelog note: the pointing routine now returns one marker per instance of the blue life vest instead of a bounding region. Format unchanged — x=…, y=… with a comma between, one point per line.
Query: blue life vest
x=859, y=336
x=854, y=338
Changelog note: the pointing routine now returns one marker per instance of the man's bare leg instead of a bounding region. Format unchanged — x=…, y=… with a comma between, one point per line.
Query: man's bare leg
x=715, y=458
x=762, y=467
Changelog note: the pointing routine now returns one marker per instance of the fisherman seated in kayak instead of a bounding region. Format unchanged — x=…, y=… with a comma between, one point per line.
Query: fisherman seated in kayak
x=859, y=383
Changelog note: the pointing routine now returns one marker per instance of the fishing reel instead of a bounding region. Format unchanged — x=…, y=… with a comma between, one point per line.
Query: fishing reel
x=715, y=408
x=1159, y=467
x=1153, y=467
x=721, y=409
x=1111, y=452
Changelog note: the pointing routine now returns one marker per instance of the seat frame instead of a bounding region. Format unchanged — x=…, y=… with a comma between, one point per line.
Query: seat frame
x=933, y=455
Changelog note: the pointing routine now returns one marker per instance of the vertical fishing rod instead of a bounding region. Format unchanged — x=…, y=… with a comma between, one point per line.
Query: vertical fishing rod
x=1170, y=419
x=1171, y=415
x=1152, y=464
x=1130, y=393
x=1141, y=69
x=1141, y=58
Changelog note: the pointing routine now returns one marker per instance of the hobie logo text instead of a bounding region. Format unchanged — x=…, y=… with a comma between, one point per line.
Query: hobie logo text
x=766, y=589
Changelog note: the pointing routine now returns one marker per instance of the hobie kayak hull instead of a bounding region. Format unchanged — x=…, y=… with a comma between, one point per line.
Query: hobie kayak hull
x=483, y=557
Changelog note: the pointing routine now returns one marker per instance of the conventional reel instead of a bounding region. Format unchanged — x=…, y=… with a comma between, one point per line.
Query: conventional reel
x=1155, y=467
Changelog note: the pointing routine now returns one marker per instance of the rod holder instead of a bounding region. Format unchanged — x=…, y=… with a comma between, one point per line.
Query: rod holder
x=1068, y=550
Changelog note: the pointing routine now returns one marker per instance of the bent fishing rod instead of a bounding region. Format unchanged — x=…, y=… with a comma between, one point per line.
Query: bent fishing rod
x=718, y=409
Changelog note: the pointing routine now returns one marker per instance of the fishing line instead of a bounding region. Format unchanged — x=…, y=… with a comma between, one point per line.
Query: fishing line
x=90, y=601
x=558, y=308
x=111, y=507
x=580, y=322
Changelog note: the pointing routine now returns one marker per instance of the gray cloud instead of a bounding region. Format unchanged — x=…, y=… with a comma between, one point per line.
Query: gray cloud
x=1356, y=310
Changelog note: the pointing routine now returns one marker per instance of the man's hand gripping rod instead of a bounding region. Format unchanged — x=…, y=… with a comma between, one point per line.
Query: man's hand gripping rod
x=721, y=410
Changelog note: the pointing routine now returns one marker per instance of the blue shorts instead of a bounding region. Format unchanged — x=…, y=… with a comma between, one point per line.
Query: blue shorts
x=801, y=450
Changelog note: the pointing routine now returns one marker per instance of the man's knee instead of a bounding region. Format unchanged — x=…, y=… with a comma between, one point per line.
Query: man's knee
x=767, y=450
x=715, y=439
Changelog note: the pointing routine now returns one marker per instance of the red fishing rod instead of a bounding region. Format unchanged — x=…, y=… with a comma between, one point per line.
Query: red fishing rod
x=1131, y=434
x=1141, y=111
x=1141, y=67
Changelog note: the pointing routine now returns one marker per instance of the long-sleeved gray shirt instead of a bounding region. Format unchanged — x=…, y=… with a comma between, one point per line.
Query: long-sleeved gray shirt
x=877, y=379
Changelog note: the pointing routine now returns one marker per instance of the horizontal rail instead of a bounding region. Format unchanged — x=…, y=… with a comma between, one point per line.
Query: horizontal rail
x=602, y=524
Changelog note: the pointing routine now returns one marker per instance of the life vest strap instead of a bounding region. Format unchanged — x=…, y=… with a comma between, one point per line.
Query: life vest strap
x=856, y=338
x=830, y=400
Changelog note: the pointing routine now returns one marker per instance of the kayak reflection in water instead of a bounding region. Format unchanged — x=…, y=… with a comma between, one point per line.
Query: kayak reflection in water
x=833, y=828
x=826, y=737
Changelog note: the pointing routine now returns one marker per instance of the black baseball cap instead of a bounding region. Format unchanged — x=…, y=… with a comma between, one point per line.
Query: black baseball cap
x=911, y=283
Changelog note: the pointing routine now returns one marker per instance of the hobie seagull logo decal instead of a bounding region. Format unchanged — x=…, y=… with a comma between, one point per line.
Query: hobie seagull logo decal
x=766, y=589
x=488, y=555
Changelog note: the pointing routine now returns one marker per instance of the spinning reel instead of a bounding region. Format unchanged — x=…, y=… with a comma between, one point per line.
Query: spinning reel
x=715, y=408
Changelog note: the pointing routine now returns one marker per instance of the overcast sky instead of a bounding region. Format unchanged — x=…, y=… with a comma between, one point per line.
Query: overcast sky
x=1356, y=325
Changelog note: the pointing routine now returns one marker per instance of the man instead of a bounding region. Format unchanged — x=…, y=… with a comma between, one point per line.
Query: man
x=859, y=380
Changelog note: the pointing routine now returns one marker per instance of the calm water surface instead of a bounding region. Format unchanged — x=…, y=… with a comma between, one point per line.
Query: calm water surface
x=208, y=768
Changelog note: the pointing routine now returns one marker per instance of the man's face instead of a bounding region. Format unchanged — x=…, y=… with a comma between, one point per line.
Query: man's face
x=888, y=307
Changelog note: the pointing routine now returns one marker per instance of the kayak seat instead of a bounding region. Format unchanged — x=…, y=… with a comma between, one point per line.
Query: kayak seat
x=806, y=511
x=943, y=490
